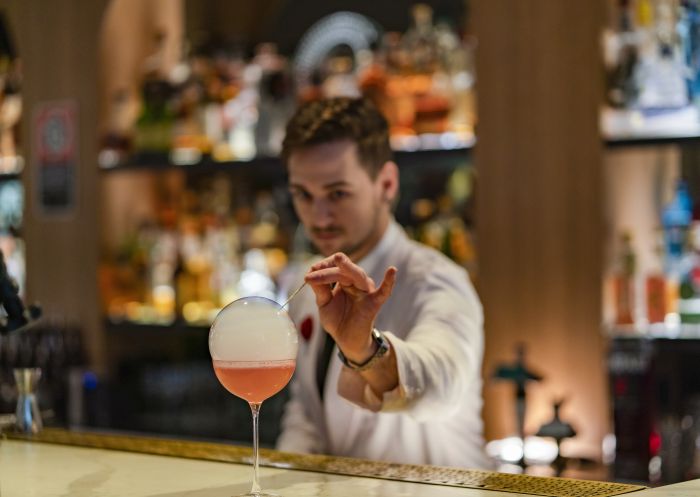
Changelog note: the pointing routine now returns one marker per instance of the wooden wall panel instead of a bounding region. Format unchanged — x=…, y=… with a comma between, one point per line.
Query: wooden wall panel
x=539, y=219
x=57, y=41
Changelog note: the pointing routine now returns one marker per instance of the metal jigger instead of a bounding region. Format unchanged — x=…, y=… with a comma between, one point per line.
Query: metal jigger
x=27, y=413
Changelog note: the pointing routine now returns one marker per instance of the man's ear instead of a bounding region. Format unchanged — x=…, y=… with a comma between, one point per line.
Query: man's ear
x=388, y=180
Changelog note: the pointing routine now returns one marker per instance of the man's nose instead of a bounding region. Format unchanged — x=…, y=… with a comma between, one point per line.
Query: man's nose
x=322, y=213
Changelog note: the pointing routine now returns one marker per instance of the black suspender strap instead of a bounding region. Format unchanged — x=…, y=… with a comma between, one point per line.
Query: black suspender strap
x=324, y=360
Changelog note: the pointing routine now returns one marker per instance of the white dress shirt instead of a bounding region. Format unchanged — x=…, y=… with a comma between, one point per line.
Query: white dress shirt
x=433, y=320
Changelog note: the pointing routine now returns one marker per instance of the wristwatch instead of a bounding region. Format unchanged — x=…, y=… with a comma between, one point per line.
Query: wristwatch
x=382, y=349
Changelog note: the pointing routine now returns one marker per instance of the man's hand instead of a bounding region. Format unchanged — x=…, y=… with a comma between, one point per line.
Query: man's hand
x=349, y=302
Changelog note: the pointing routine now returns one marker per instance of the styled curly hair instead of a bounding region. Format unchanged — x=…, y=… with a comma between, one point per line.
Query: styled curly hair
x=324, y=121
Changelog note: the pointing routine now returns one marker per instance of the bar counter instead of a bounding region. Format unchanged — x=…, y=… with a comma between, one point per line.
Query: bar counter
x=61, y=463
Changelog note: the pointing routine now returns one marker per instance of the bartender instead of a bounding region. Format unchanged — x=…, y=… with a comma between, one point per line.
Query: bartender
x=391, y=330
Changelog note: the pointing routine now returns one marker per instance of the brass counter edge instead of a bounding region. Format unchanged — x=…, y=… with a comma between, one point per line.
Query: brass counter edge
x=220, y=452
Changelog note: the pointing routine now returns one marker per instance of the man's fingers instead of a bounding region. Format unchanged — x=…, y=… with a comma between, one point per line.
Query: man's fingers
x=324, y=263
x=339, y=268
x=349, y=277
x=355, y=272
x=328, y=276
x=384, y=291
x=322, y=291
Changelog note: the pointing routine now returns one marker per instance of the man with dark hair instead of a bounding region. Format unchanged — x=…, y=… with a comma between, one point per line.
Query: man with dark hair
x=404, y=382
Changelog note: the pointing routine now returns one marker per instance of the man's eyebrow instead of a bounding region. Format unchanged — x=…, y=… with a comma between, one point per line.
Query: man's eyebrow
x=328, y=186
x=336, y=184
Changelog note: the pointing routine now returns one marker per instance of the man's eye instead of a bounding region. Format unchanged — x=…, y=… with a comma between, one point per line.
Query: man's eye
x=337, y=195
x=300, y=195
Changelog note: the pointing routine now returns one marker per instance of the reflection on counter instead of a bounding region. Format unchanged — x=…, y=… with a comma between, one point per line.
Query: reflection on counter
x=131, y=461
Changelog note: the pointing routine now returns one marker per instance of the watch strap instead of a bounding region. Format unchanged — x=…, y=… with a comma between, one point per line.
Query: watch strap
x=383, y=347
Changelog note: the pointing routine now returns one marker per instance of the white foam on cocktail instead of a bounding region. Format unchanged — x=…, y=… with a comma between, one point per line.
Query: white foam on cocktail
x=253, y=331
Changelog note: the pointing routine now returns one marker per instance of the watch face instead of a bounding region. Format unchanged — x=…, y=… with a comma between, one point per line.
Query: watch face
x=383, y=346
x=383, y=343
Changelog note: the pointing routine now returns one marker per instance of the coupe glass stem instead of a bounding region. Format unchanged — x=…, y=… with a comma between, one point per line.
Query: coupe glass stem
x=255, y=409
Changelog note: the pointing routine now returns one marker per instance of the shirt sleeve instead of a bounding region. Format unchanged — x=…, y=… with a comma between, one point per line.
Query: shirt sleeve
x=299, y=433
x=439, y=358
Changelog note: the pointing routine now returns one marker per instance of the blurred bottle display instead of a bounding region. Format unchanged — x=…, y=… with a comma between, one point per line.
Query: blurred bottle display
x=218, y=101
x=204, y=247
x=669, y=289
x=234, y=233
x=11, y=242
x=651, y=52
x=10, y=101
x=11, y=190
x=56, y=348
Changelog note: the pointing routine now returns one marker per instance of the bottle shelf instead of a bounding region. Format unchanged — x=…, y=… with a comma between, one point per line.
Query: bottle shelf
x=9, y=177
x=178, y=327
x=681, y=331
x=649, y=131
x=157, y=161
x=623, y=128
x=205, y=163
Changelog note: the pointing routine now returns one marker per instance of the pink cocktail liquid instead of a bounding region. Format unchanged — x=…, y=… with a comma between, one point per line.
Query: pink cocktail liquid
x=254, y=381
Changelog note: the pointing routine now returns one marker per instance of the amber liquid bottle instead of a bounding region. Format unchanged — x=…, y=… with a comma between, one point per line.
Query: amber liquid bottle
x=623, y=284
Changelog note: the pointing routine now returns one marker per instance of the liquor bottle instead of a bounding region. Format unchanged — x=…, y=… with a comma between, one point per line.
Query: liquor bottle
x=193, y=261
x=340, y=79
x=372, y=78
x=623, y=282
x=154, y=124
x=459, y=58
x=241, y=114
x=117, y=140
x=189, y=137
x=689, y=290
x=223, y=240
x=688, y=29
x=163, y=264
x=400, y=107
x=623, y=87
x=429, y=82
x=655, y=289
x=420, y=40
x=676, y=218
x=661, y=71
x=277, y=101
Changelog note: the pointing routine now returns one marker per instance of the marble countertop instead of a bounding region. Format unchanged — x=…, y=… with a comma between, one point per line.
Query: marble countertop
x=44, y=470
x=62, y=463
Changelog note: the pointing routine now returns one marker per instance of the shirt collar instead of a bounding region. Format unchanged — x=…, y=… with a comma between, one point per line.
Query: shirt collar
x=389, y=239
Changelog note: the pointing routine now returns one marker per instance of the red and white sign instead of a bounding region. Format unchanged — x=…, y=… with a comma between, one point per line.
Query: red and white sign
x=55, y=155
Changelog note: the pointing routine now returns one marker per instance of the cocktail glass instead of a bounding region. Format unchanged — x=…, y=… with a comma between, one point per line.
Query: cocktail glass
x=253, y=345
